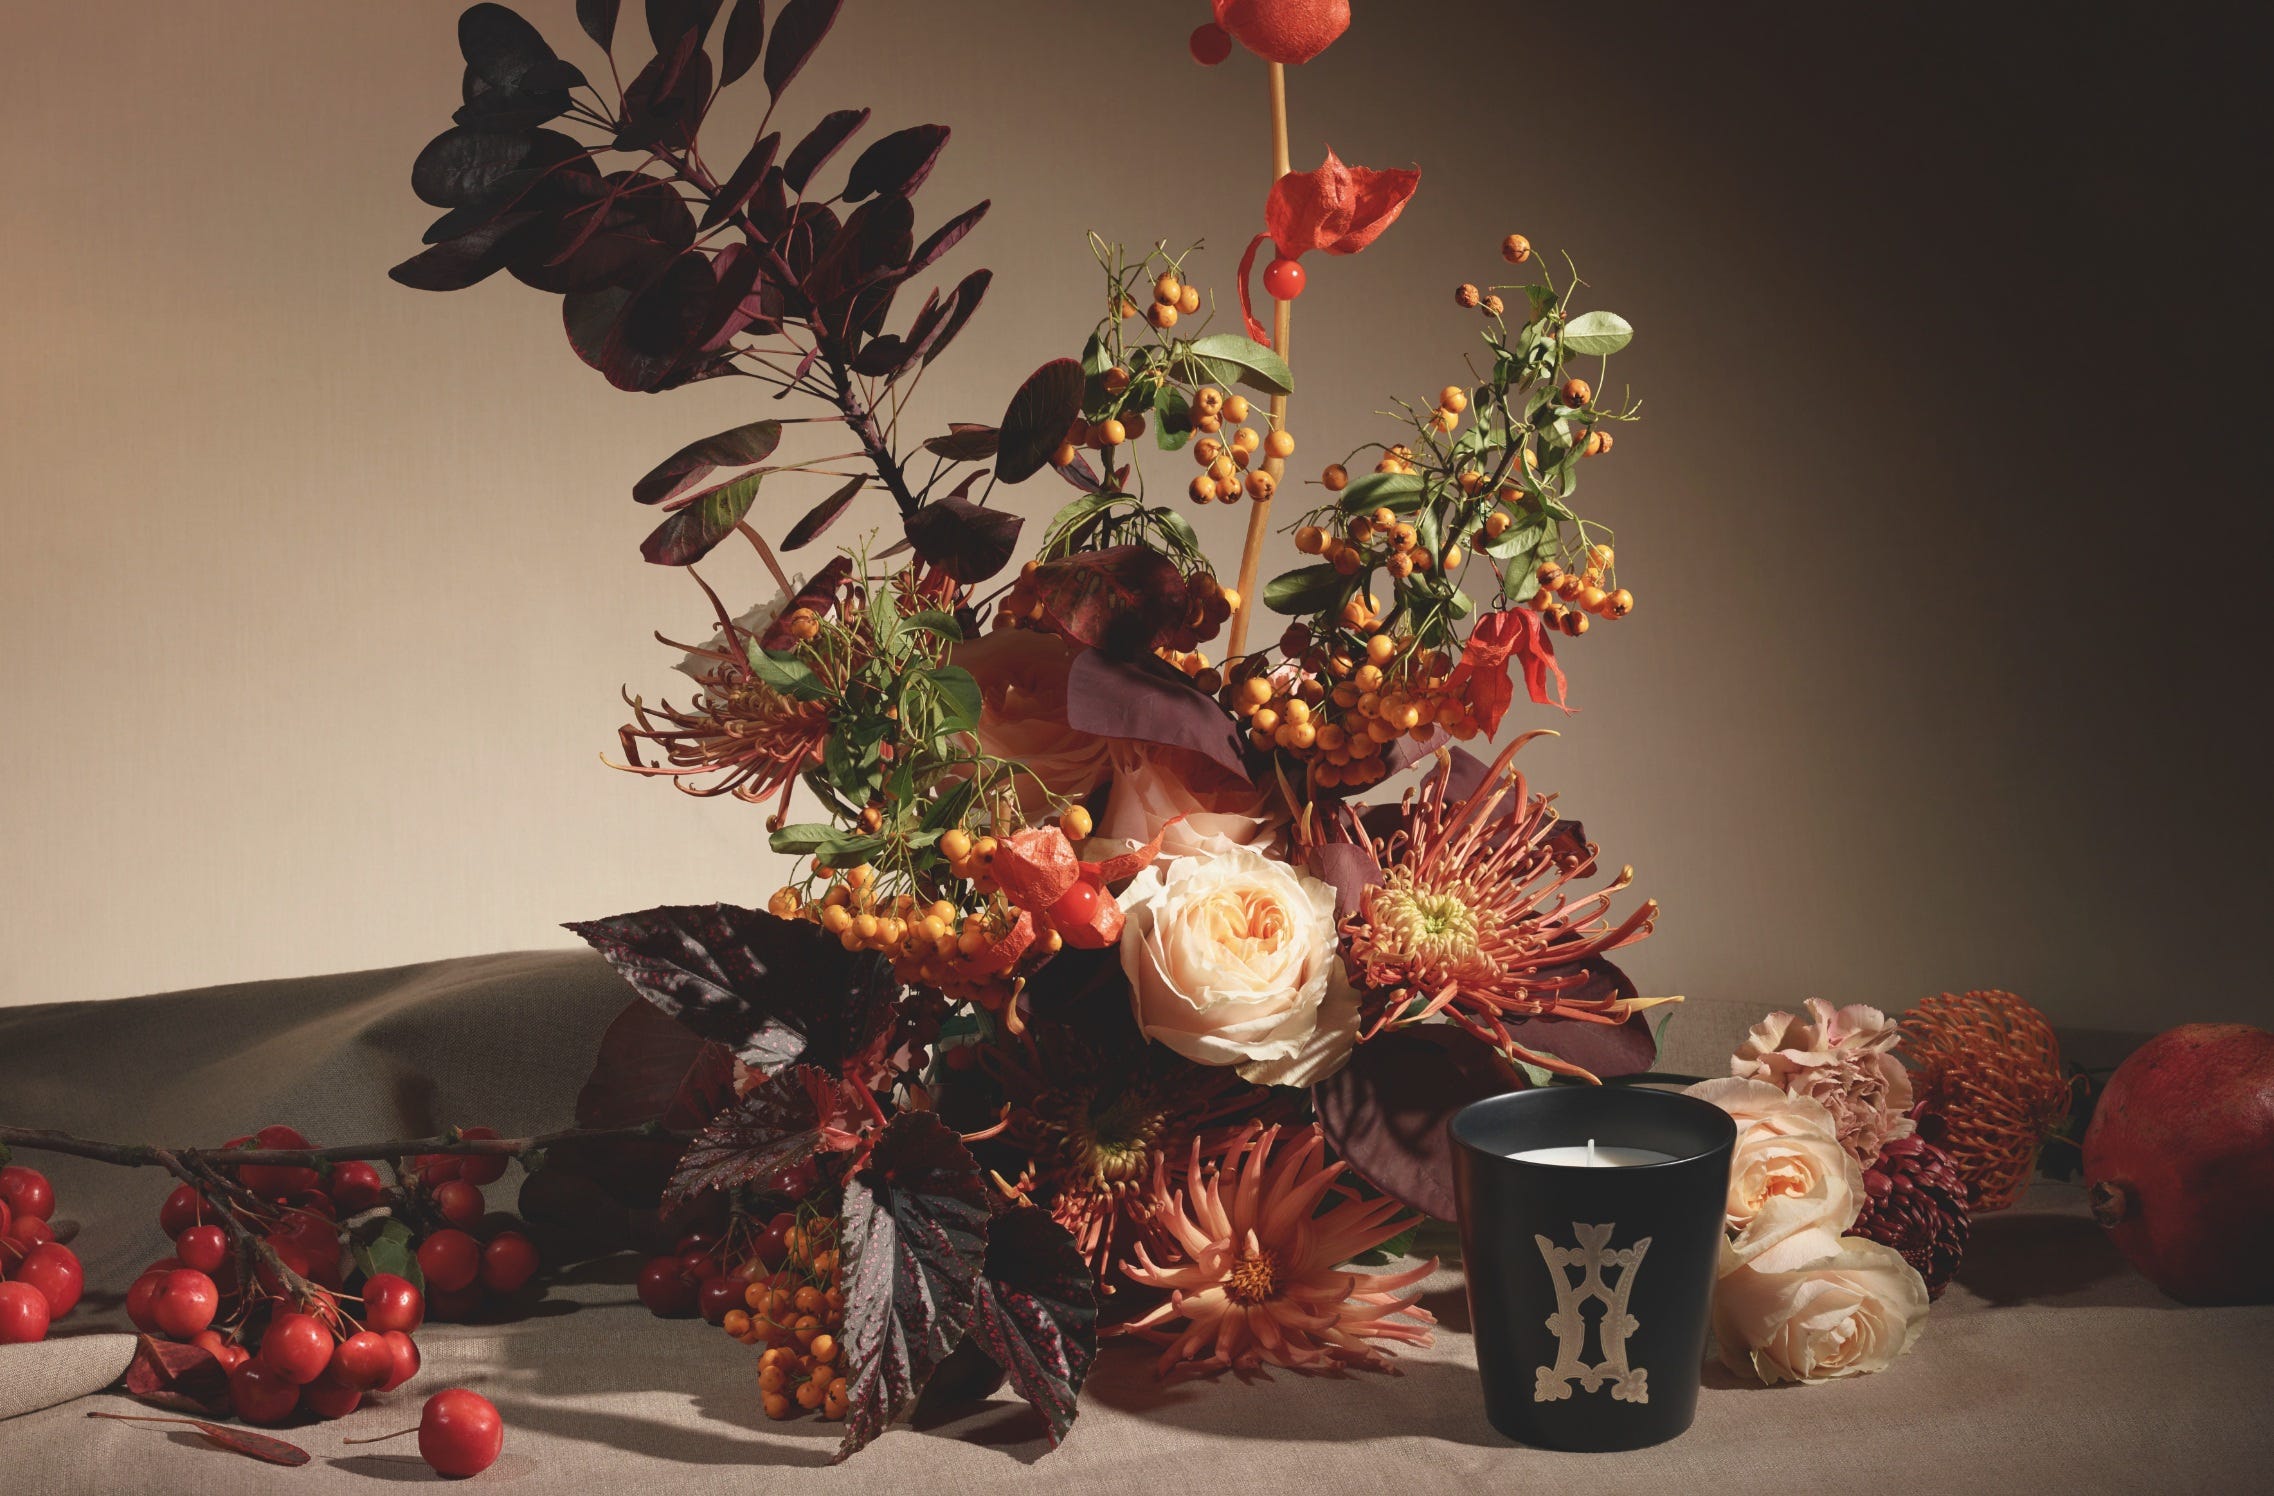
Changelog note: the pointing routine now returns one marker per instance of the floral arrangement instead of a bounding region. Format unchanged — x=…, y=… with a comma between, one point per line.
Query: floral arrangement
x=1094, y=996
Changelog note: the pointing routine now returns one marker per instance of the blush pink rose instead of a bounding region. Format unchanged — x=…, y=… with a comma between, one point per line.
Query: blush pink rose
x=1841, y=1057
x=1788, y=1174
x=1816, y=1308
x=1154, y=785
x=1022, y=718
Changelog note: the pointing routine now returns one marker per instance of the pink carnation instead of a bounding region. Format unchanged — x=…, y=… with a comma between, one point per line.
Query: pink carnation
x=1841, y=1057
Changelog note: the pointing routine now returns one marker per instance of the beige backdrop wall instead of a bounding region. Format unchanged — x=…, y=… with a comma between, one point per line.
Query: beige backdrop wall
x=317, y=591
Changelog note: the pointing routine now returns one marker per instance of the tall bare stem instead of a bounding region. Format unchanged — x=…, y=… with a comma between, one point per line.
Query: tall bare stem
x=1259, y=511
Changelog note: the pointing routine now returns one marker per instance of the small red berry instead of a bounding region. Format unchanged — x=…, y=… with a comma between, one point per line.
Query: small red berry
x=328, y=1397
x=24, y=1314
x=392, y=1303
x=460, y=1432
x=450, y=1259
x=480, y=1168
x=260, y=1393
x=141, y=1302
x=718, y=1296
x=27, y=1192
x=362, y=1360
x=203, y=1247
x=1210, y=44
x=185, y=1302
x=356, y=1187
x=1283, y=279
x=459, y=1203
x=509, y=1260
x=184, y=1208
x=277, y=1181
x=665, y=1289
x=53, y=1269
x=297, y=1346
x=1075, y=906
x=404, y=1350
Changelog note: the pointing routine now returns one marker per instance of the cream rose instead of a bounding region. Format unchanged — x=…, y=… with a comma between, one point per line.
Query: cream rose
x=1154, y=785
x=1022, y=717
x=1789, y=1173
x=1230, y=958
x=1842, y=1057
x=1817, y=1307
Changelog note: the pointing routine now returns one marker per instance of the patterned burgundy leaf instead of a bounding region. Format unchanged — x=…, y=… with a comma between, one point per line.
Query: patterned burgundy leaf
x=784, y=1120
x=798, y=31
x=914, y=1238
x=1350, y=866
x=1038, y=1313
x=1144, y=699
x=170, y=1374
x=968, y=541
x=1039, y=416
x=1123, y=599
x=235, y=1440
x=1385, y=1112
x=773, y=991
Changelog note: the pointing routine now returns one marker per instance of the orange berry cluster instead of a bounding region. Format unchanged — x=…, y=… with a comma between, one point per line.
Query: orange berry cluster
x=798, y=1313
x=929, y=943
x=1171, y=299
x=1223, y=460
x=1567, y=599
x=1379, y=538
x=1342, y=730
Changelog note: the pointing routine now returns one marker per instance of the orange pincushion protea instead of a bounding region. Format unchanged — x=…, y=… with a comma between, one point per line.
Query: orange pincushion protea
x=1260, y=1276
x=1989, y=1067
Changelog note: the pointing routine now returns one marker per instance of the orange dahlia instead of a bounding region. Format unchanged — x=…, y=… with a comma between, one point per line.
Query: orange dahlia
x=1256, y=1272
x=1988, y=1065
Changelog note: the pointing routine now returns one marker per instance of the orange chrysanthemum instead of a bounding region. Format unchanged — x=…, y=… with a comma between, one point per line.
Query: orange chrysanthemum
x=1988, y=1065
x=1260, y=1276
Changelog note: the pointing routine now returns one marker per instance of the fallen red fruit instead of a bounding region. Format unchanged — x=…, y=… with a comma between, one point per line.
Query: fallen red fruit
x=141, y=1302
x=509, y=1261
x=24, y=1314
x=460, y=1432
x=2179, y=1161
x=328, y=1397
x=298, y=1346
x=259, y=1393
x=363, y=1360
x=449, y=1259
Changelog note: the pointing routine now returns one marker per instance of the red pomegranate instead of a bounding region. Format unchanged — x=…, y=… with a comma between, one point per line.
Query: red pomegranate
x=2180, y=1162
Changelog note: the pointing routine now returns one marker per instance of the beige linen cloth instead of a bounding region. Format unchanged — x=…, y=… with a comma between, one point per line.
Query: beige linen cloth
x=2048, y=1367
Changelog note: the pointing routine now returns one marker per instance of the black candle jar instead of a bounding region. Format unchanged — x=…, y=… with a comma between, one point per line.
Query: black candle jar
x=1590, y=1289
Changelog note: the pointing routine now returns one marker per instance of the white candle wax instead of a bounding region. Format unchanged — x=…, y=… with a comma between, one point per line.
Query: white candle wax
x=1593, y=1157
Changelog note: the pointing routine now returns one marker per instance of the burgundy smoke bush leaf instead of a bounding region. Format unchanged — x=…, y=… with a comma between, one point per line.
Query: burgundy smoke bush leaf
x=784, y=1120
x=666, y=320
x=461, y=167
x=964, y=442
x=1405, y=752
x=1385, y=1112
x=1124, y=599
x=875, y=238
x=170, y=1374
x=798, y=30
x=694, y=530
x=669, y=20
x=665, y=103
x=737, y=189
x=1039, y=416
x=968, y=541
x=468, y=259
x=1038, y=1313
x=946, y=237
x=740, y=447
x=509, y=54
x=598, y=18
x=236, y=1440
x=773, y=991
x=821, y=142
x=1604, y=1049
x=1145, y=700
x=1350, y=867
x=963, y=301
x=621, y=233
x=822, y=515
x=913, y=1238
x=896, y=165
x=589, y=317
x=745, y=39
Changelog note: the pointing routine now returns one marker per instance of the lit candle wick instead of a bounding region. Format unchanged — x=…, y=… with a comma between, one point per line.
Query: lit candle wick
x=1591, y=1153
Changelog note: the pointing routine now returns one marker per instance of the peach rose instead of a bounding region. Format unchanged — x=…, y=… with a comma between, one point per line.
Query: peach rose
x=1817, y=1307
x=1789, y=1173
x=1231, y=957
x=1153, y=785
x=1842, y=1057
x=1022, y=717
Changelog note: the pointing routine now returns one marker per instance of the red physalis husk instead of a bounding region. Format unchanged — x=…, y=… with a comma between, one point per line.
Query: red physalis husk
x=1338, y=209
x=1036, y=869
x=1481, y=678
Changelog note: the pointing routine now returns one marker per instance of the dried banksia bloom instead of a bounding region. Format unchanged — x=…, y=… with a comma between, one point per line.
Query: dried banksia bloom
x=753, y=739
x=1987, y=1064
x=1254, y=1270
x=1474, y=917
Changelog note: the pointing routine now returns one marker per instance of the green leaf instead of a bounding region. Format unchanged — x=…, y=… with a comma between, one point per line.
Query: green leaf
x=1256, y=366
x=1174, y=428
x=1400, y=1245
x=1307, y=589
x=959, y=697
x=1176, y=527
x=789, y=676
x=948, y=809
x=933, y=621
x=690, y=532
x=1514, y=540
x=1597, y=333
x=389, y=1249
x=1542, y=299
x=1535, y=1075
x=1399, y=492
x=832, y=843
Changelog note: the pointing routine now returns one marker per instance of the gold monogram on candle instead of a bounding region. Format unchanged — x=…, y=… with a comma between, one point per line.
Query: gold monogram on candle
x=1596, y=1260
